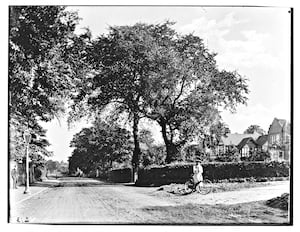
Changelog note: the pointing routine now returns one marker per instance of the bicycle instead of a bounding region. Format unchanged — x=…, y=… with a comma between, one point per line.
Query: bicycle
x=203, y=187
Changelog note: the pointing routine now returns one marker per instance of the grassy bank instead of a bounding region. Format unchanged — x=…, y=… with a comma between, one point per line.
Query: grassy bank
x=246, y=213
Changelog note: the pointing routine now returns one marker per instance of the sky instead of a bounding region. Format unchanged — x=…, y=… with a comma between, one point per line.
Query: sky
x=254, y=41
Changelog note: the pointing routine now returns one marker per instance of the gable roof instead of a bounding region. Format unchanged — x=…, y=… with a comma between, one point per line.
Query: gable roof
x=235, y=139
x=245, y=141
x=283, y=125
x=281, y=122
x=261, y=140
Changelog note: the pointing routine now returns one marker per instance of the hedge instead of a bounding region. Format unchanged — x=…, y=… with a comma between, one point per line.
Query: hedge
x=157, y=176
x=120, y=175
x=168, y=174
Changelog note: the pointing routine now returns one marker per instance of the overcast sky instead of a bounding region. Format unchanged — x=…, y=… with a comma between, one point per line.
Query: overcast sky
x=253, y=41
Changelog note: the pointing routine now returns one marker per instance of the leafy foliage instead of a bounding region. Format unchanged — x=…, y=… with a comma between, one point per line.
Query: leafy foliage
x=192, y=153
x=122, y=61
x=38, y=75
x=98, y=147
x=149, y=70
x=259, y=156
x=38, y=144
x=180, y=173
x=43, y=67
x=55, y=166
x=254, y=128
x=186, y=89
x=231, y=155
x=156, y=155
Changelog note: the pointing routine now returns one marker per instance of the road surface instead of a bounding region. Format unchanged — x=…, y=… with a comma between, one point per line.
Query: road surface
x=86, y=201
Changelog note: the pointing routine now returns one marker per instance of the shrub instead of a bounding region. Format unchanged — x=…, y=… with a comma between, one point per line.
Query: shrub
x=37, y=173
x=258, y=156
x=154, y=156
x=229, y=156
x=120, y=175
x=194, y=152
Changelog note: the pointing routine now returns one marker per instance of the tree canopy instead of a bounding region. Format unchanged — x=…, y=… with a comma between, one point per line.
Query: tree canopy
x=99, y=146
x=122, y=61
x=149, y=70
x=184, y=93
x=40, y=72
x=38, y=75
x=254, y=128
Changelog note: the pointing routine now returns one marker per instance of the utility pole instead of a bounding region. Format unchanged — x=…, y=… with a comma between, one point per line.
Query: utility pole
x=27, y=138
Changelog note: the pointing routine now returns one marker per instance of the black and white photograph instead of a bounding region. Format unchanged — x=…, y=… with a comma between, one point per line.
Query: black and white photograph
x=150, y=115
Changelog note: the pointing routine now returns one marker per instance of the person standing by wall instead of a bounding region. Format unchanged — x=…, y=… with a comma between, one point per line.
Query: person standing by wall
x=14, y=175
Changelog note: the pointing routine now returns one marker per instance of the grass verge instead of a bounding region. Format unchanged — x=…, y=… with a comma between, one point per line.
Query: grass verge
x=246, y=213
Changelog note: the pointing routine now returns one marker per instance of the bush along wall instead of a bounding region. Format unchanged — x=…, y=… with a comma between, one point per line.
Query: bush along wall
x=180, y=173
x=167, y=174
x=120, y=175
x=219, y=171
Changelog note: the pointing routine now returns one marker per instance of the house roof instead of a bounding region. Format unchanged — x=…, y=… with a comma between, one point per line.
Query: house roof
x=235, y=139
x=282, y=122
x=261, y=140
x=244, y=142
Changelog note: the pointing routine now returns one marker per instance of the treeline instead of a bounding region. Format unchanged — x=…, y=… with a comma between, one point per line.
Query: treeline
x=56, y=167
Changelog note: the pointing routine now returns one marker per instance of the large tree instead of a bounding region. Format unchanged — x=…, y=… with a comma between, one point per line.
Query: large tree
x=186, y=91
x=152, y=71
x=122, y=61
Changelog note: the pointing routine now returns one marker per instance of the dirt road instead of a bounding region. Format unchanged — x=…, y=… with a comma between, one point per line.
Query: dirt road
x=91, y=201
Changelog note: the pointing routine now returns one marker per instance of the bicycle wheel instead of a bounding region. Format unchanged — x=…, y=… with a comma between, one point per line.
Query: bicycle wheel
x=204, y=187
x=188, y=186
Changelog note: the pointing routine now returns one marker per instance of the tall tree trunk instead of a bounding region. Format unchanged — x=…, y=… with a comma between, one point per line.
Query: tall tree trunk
x=137, y=150
x=170, y=146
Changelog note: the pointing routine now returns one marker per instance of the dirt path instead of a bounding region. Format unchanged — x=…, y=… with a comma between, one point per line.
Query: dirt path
x=86, y=201
x=91, y=201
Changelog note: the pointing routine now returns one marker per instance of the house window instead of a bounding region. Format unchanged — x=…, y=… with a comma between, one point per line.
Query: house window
x=245, y=151
x=273, y=139
x=278, y=137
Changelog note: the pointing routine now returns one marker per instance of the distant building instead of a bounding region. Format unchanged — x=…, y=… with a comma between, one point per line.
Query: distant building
x=279, y=139
x=277, y=142
x=246, y=147
x=231, y=141
x=262, y=143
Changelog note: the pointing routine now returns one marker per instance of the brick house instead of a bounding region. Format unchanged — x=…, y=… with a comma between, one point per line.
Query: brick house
x=279, y=137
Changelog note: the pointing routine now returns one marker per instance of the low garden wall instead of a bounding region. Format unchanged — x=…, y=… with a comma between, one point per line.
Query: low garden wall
x=179, y=173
